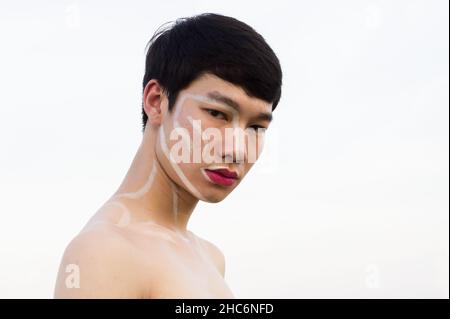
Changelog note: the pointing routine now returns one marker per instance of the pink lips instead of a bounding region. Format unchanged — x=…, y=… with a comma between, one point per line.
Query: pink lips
x=222, y=176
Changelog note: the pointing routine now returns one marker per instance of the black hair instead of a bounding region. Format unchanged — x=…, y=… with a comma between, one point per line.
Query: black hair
x=216, y=44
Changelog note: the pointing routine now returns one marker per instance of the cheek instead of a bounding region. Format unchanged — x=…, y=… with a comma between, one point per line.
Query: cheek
x=247, y=167
x=191, y=122
x=192, y=172
x=260, y=145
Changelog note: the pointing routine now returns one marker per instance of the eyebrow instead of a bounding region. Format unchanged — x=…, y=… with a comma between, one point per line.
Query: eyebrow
x=219, y=97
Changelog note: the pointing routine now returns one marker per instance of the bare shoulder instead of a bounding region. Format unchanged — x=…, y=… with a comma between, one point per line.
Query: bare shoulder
x=216, y=254
x=98, y=263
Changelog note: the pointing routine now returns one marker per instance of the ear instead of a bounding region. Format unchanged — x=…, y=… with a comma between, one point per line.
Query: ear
x=152, y=99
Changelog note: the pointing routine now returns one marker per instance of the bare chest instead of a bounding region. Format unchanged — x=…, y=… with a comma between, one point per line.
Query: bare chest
x=186, y=273
x=190, y=280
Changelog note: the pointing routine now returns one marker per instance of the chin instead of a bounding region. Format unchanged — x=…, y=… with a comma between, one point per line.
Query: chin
x=215, y=197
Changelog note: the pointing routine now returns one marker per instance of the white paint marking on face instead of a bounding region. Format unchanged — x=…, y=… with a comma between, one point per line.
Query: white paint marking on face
x=195, y=127
x=178, y=108
x=176, y=168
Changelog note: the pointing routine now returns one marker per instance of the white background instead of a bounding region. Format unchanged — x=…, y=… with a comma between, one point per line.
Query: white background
x=350, y=199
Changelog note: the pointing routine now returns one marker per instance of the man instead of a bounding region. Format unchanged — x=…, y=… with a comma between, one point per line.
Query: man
x=205, y=76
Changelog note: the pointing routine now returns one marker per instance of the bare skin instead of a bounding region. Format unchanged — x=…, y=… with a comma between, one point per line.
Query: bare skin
x=137, y=244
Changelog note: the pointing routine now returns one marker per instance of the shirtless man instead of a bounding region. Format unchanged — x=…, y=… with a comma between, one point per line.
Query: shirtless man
x=137, y=244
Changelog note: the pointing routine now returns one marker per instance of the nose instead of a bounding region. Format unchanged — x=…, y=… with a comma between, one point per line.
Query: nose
x=235, y=150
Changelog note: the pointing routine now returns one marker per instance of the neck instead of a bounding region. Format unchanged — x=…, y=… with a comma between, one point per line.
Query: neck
x=152, y=191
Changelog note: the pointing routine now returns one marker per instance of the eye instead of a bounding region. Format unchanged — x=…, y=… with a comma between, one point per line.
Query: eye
x=261, y=128
x=216, y=114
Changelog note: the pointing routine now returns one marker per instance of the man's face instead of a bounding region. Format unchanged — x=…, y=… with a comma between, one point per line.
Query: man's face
x=212, y=137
